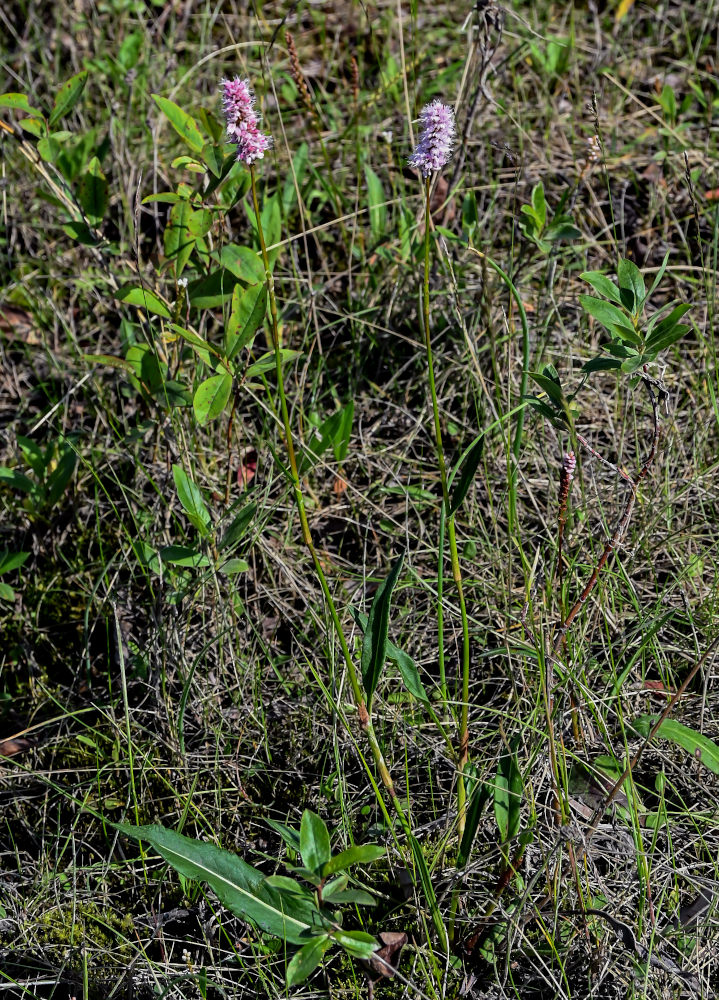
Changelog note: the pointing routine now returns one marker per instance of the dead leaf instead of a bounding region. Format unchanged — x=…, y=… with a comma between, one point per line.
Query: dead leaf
x=384, y=962
x=16, y=745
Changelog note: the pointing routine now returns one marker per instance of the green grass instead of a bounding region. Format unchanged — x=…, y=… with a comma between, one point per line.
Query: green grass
x=144, y=680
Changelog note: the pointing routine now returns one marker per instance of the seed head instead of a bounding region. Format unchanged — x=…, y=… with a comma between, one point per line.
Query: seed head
x=436, y=138
x=238, y=104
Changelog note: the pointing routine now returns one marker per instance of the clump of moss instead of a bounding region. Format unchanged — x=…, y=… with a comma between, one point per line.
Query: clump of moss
x=103, y=933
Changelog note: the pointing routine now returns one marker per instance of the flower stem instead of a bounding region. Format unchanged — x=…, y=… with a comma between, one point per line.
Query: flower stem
x=364, y=717
x=449, y=521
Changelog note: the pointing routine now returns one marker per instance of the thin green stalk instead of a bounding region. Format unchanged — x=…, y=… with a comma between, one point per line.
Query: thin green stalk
x=364, y=718
x=449, y=520
x=519, y=428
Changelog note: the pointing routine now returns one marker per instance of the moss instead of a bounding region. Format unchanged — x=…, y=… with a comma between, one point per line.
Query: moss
x=102, y=933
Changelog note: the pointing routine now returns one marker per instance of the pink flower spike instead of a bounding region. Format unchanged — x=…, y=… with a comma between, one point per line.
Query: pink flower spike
x=238, y=105
x=436, y=138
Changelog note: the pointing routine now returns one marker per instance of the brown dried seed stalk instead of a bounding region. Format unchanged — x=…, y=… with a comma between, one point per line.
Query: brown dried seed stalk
x=355, y=82
x=299, y=77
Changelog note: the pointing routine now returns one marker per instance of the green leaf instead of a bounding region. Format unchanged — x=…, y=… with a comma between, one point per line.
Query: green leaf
x=191, y=499
x=657, y=330
x=181, y=555
x=135, y=295
x=377, y=208
x=549, y=386
x=699, y=746
x=183, y=124
x=403, y=661
x=561, y=229
x=6, y=592
x=16, y=480
x=427, y=888
x=339, y=897
x=58, y=480
x=238, y=886
x=12, y=560
x=247, y=314
x=238, y=528
x=203, y=349
x=539, y=204
x=670, y=337
x=267, y=362
x=607, y=314
x=212, y=156
x=478, y=799
x=92, y=192
x=304, y=963
x=630, y=280
x=243, y=263
x=178, y=240
x=374, y=645
x=660, y=274
x=211, y=397
x=601, y=365
x=363, y=854
x=18, y=102
x=508, y=793
x=627, y=334
x=631, y=364
x=290, y=836
x=342, y=431
x=602, y=284
x=314, y=841
x=470, y=464
x=67, y=96
x=359, y=944
x=233, y=566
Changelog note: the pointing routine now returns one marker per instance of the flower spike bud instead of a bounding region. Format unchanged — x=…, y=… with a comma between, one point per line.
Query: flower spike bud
x=436, y=138
x=238, y=105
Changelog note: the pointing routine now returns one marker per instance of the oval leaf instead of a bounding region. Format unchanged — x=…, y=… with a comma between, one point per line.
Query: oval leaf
x=211, y=397
x=134, y=295
x=362, y=854
x=314, y=841
x=246, y=316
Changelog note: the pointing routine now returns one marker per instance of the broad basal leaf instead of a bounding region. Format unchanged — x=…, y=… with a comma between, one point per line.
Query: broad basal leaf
x=239, y=886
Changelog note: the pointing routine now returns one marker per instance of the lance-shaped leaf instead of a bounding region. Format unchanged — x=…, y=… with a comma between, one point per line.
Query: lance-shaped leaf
x=307, y=959
x=67, y=96
x=699, y=746
x=191, y=500
x=469, y=467
x=239, y=886
x=183, y=124
x=508, y=793
x=374, y=646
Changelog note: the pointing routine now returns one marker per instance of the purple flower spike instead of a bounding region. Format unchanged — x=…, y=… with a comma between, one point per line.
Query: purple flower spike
x=436, y=138
x=238, y=104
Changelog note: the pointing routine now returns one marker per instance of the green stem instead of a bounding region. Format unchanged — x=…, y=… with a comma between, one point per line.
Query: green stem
x=449, y=520
x=519, y=429
x=364, y=718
